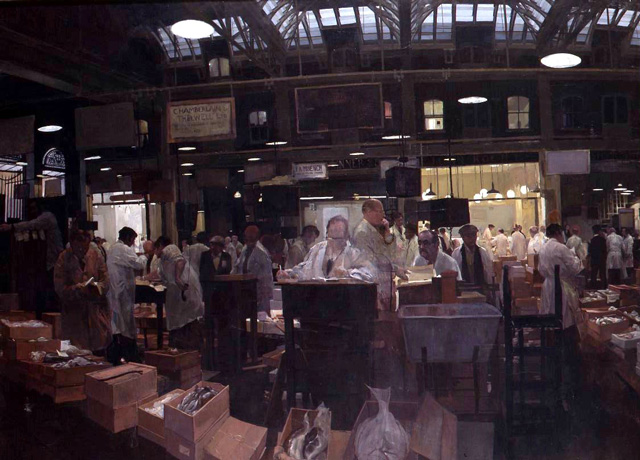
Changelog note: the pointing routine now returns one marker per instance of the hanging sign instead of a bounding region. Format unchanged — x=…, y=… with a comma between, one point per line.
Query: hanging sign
x=310, y=171
x=201, y=120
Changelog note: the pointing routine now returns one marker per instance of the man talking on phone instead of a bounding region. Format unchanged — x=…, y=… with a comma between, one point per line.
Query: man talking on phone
x=376, y=242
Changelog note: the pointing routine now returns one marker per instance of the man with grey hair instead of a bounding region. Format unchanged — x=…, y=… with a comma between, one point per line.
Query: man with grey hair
x=535, y=243
x=333, y=258
x=430, y=254
x=374, y=239
x=476, y=265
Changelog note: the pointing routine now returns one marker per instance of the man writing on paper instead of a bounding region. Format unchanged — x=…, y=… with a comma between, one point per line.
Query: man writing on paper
x=333, y=258
x=81, y=281
x=430, y=254
x=122, y=263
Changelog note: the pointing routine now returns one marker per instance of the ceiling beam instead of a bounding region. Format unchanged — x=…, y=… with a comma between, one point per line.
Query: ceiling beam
x=556, y=22
x=15, y=70
x=260, y=25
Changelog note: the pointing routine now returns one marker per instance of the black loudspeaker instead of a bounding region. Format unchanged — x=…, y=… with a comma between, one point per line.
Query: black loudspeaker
x=278, y=201
x=447, y=212
x=403, y=182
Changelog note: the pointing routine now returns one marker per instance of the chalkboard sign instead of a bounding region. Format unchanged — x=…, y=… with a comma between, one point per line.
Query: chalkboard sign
x=331, y=108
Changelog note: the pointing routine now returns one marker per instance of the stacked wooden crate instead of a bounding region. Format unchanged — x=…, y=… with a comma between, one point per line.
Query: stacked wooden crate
x=181, y=367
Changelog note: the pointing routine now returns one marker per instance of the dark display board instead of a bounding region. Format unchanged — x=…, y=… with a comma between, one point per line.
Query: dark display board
x=330, y=108
x=447, y=212
x=105, y=126
x=403, y=182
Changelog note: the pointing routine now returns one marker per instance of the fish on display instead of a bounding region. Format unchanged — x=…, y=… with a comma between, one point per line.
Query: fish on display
x=196, y=399
x=310, y=442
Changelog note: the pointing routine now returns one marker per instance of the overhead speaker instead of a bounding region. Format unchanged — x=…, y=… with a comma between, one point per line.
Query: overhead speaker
x=446, y=212
x=403, y=182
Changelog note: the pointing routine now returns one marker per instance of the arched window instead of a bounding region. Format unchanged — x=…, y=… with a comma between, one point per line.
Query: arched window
x=615, y=110
x=434, y=115
x=258, y=126
x=219, y=67
x=518, y=112
x=571, y=107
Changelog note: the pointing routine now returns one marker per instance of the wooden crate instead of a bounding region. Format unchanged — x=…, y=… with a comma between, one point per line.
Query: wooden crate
x=193, y=427
x=167, y=361
x=122, y=385
x=26, y=333
x=152, y=423
x=55, y=319
x=118, y=419
x=67, y=377
x=603, y=333
x=21, y=349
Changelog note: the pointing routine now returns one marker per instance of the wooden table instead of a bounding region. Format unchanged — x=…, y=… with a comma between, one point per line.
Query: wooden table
x=145, y=293
x=336, y=317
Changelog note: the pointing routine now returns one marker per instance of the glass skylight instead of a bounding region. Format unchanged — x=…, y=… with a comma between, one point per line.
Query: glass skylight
x=347, y=16
x=625, y=20
x=328, y=17
x=368, y=24
x=485, y=12
x=604, y=19
x=464, y=12
x=444, y=22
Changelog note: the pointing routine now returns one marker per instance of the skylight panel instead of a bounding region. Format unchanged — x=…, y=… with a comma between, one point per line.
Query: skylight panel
x=625, y=20
x=196, y=47
x=543, y=4
x=427, y=28
x=386, y=33
x=368, y=24
x=185, y=51
x=485, y=12
x=276, y=11
x=604, y=19
x=167, y=44
x=444, y=22
x=501, y=25
x=518, y=28
x=464, y=12
x=314, y=28
x=328, y=17
x=635, y=38
x=347, y=16
x=584, y=34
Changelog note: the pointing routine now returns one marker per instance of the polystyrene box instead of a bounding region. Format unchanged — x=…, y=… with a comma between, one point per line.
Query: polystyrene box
x=277, y=294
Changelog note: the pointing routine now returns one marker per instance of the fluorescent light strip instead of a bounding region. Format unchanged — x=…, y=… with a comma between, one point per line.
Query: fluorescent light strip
x=308, y=198
x=186, y=164
x=254, y=159
x=370, y=197
x=395, y=137
x=105, y=169
x=472, y=100
x=274, y=143
x=49, y=128
x=95, y=157
x=356, y=154
x=186, y=149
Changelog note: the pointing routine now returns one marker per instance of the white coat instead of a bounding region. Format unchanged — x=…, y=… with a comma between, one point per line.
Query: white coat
x=410, y=252
x=121, y=263
x=444, y=263
x=259, y=264
x=350, y=259
x=614, y=252
x=232, y=251
x=575, y=242
x=382, y=254
x=192, y=254
x=297, y=253
x=487, y=241
x=502, y=245
x=519, y=245
x=535, y=244
x=487, y=263
x=555, y=253
x=180, y=312
x=627, y=251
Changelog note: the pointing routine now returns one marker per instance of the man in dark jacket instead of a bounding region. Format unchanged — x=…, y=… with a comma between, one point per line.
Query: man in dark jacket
x=598, y=257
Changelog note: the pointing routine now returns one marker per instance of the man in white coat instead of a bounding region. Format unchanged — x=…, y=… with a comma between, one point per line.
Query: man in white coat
x=518, y=243
x=333, y=258
x=614, y=257
x=122, y=261
x=194, y=252
x=488, y=241
x=255, y=259
x=476, y=265
x=411, y=250
x=627, y=253
x=575, y=242
x=502, y=243
x=553, y=253
x=375, y=240
x=430, y=254
x=299, y=250
x=183, y=302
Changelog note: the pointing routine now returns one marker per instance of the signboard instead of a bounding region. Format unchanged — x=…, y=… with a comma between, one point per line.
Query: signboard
x=105, y=126
x=201, y=120
x=16, y=135
x=310, y=171
x=54, y=159
x=568, y=162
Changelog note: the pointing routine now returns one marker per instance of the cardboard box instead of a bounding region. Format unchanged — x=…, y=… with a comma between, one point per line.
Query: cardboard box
x=55, y=319
x=17, y=315
x=150, y=436
x=188, y=449
x=63, y=394
x=193, y=427
x=21, y=349
x=593, y=302
x=186, y=384
x=236, y=440
x=115, y=420
x=152, y=423
x=9, y=301
x=532, y=260
x=25, y=333
x=184, y=375
x=626, y=340
x=404, y=412
x=603, y=333
x=122, y=385
x=295, y=421
x=171, y=361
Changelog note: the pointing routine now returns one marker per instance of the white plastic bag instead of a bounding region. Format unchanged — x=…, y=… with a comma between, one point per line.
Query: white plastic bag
x=382, y=437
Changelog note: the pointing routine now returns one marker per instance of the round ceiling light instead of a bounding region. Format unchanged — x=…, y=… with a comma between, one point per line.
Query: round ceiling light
x=620, y=188
x=186, y=164
x=511, y=194
x=472, y=100
x=524, y=189
x=561, y=61
x=483, y=192
x=237, y=195
x=192, y=29
x=49, y=128
x=186, y=149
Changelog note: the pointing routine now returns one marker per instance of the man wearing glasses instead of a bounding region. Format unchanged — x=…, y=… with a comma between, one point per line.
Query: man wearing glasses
x=333, y=258
x=430, y=254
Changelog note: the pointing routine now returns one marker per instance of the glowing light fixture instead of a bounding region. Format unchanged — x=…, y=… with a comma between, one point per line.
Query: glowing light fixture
x=499, y=196
x=237, y=195
x=620, y=188
x=119, y=175
x=21, y=163
x=333, y=165
x=449, y=159
x=187, y=174
x=186, y=164
x=477, y=197
x=483, y=192
x=511, y=194
x=192, y=29
x=626, y=193
x=240, y=170
x=396, y=137
x=95, y=157
x=254, y=159
x=356, y=154
x=105, y=169
x=598, y=189
x=561, y=60
x=275, y=143
x=472, y=100
x=308, y=198
x=186, y=149
x=524, y=189
x=49, y=128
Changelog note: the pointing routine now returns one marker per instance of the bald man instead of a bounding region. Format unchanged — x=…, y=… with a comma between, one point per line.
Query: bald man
x=375, y=240
x=255, y=259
